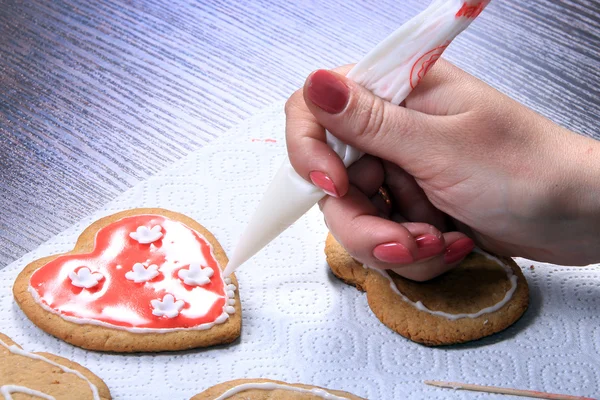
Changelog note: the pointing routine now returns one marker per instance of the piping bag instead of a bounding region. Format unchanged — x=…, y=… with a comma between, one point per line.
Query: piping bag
x=391, y=71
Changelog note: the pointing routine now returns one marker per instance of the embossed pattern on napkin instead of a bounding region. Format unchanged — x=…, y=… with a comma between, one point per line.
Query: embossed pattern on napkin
x=300, y=324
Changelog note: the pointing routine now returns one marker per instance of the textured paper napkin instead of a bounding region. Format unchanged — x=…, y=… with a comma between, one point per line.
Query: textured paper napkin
x=300, y=324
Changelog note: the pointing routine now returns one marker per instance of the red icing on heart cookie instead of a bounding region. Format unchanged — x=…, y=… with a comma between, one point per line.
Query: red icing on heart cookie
x=106, y=294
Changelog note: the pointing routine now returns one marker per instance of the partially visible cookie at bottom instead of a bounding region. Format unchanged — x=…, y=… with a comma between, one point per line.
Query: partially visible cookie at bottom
x=267, y=389
x=45, y=376
x=484, y=295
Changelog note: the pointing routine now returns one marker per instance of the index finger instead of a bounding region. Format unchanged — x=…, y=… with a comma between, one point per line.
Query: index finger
x=307, y=147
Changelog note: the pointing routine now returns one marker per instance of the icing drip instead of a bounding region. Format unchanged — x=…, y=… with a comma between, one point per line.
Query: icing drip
x=420, y=306
x=140, y=280
x=274, y=386
x=19, y=389
x=7, y=390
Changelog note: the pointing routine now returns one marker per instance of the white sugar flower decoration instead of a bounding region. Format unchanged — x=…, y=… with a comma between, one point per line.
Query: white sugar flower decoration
x=195, y=275
x=84, y=278
x=139, y=273
x=144, y=235
x=168, y=307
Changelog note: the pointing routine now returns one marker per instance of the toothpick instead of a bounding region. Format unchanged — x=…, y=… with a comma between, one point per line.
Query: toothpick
x=499, y=390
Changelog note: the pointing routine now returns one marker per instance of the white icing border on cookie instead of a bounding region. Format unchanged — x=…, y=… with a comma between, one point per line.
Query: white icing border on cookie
x=228, y=308
x=274, y=386
x=420, y=306
x=16, y=350
x=7, y=390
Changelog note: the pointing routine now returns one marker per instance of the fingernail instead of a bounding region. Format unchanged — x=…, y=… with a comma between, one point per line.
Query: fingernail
x=458, y=250
x=323, y=181
x=393, y=253
x=327, y=91
x=429, y=245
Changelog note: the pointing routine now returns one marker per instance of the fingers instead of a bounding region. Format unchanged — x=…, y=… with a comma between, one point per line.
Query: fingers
x=410, y=200
x=376, y=241
x=365, y=121
x=308, y=151
x=458, y=246
x=417, y=251
x=353, y=221
x=367, y=174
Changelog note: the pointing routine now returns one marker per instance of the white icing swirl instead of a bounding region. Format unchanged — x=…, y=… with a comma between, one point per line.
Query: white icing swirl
x=6, y=390
x=274, y=386
x=420, y=306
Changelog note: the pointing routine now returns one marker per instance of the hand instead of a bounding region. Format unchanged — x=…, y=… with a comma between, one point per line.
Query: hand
x=463, y=163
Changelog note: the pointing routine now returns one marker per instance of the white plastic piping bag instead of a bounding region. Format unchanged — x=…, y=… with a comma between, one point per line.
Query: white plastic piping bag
x=391, y=70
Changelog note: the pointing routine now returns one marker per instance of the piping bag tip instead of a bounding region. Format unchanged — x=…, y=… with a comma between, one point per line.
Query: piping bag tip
x=287, y=198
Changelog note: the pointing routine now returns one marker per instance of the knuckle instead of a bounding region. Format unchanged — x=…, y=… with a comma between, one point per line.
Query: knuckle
x=372, y=120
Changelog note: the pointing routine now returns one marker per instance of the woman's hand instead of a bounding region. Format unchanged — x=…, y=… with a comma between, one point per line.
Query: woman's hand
x=462, y=163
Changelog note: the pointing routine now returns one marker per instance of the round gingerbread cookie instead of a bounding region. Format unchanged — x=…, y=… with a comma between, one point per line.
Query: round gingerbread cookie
x=483, y=295
x=267, y=389
x=136, y=281
x=45, y=376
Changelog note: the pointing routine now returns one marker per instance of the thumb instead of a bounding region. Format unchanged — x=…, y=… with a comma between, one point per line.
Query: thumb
x=359, y=118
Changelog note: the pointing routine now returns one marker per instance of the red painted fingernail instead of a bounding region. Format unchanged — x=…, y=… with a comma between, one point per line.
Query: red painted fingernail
x=327, y=91
x=323, y=181
x=429, y=245
x=393, y=253
x=458, y=250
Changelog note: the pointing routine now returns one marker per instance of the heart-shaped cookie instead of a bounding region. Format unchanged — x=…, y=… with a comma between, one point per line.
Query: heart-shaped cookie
x=265, y=389
x=483, y=295
x=138, y=280
x=45, y=376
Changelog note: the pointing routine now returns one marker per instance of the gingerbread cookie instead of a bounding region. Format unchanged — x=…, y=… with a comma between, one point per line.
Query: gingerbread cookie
x=45, y=376
x=483, y=295
x=266, y=389
x=139, y=280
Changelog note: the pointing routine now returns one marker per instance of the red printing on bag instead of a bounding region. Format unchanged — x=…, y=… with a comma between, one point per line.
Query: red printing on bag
x=468, y=11
x=424, y=64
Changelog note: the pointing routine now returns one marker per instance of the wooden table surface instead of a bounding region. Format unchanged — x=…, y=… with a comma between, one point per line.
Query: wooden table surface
x=96, y=96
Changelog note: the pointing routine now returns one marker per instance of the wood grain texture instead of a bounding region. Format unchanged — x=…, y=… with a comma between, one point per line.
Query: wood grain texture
x=98, y=95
